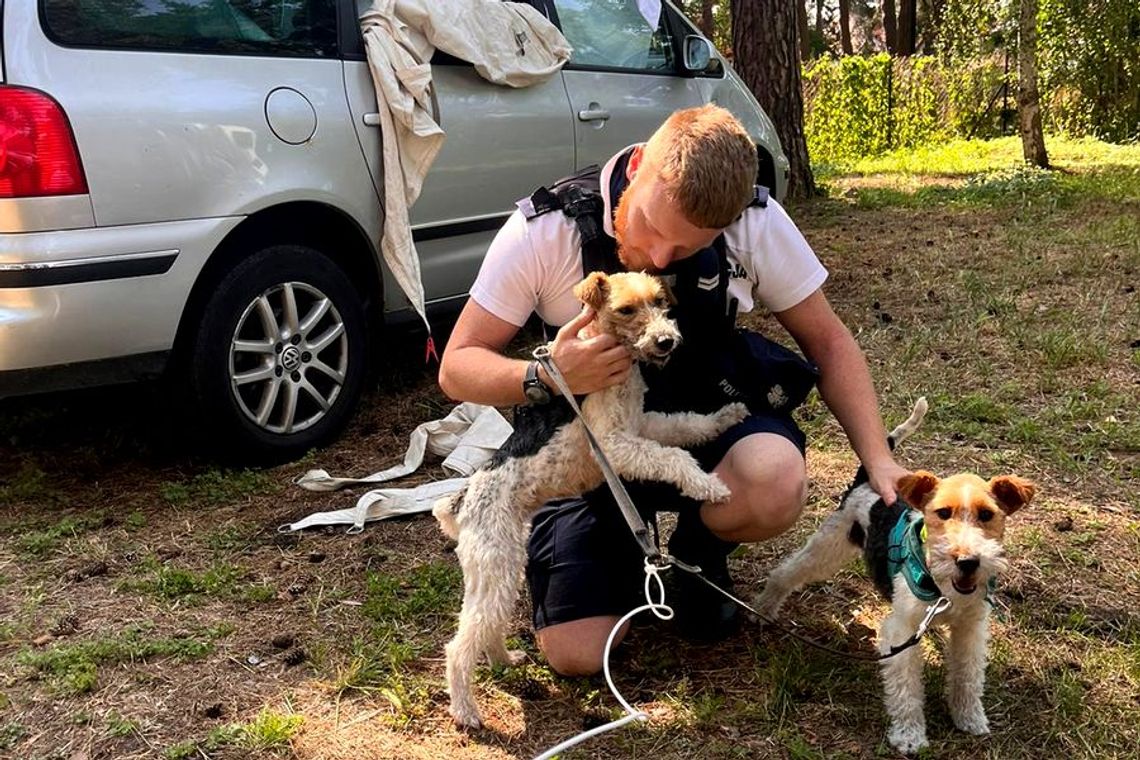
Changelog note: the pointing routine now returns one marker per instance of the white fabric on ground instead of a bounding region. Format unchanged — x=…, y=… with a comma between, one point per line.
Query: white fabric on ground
x=468, y=437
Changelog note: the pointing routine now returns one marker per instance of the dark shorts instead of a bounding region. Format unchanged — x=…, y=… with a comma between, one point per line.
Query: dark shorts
x=582, y=559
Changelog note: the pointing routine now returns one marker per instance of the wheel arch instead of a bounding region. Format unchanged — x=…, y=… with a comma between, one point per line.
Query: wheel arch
x=316, y=225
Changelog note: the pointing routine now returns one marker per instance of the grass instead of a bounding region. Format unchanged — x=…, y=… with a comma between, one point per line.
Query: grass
x=964, y=158
x=117, y=725
x=40, y=542
x=402, y=611
x=11, y=734
x=171, y=583
x=217, y=486
x=74, y=668
x=991, y=173
x=269, y=730
x=1039, y=330
x=30, y=483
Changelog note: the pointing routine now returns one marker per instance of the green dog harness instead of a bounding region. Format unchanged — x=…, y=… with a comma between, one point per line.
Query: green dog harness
x=905, y=555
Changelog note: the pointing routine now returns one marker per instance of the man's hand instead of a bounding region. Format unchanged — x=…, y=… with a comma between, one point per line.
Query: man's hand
x=884, y=478
x=588, y=364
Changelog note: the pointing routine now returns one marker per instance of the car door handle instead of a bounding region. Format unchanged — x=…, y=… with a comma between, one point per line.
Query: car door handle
x=373, y=119
x=593, y=113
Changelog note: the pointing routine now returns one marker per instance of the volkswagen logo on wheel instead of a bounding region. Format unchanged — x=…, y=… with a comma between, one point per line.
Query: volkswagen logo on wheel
x=291, y=358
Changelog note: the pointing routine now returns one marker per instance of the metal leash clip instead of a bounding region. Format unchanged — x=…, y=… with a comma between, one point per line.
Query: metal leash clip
x=940, y=605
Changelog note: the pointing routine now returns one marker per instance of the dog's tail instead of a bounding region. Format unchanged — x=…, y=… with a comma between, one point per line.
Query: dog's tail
x=906, y=429
x=897, y=436
x=445, y=509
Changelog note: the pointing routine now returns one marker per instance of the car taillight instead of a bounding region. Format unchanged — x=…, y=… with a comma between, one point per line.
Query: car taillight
x=37, y=150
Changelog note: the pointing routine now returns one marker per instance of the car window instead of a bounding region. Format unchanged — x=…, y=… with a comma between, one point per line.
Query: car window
x=614, y=34
x=291, y=28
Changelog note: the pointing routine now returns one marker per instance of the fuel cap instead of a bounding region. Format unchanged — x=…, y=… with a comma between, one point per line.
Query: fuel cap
x=290, y=115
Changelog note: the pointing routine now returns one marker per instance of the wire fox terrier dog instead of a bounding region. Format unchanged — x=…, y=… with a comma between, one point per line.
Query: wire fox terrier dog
x=941, y=538
x=490, y=518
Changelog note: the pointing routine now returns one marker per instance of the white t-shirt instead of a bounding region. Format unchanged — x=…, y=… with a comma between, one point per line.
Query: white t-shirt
x=533, y=265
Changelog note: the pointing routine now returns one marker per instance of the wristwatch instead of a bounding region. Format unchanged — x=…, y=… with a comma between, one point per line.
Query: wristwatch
x=534, y=389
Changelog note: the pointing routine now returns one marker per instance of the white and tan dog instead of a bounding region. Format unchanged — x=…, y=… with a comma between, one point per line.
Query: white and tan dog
x=490, y=518
x=954, y=552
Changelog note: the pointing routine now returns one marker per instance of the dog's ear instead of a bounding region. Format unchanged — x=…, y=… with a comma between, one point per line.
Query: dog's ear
x=593, y=290
x=1011, y=492
x=668, y=293
x=918, y=487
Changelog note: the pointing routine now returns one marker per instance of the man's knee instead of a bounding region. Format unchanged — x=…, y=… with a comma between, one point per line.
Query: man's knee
x=578, y=647
x=768, y=479
x=779, y=502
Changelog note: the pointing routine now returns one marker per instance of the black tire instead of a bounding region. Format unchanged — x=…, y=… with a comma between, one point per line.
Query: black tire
x=244, y=381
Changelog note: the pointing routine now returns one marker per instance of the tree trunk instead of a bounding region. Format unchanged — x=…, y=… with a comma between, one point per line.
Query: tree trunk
x=764, y=39
x=819, y=17
x=804, y=31
x=1028, y=100
x=890, y=27
x=845, y=27
x=907, y=26
x=706, y=25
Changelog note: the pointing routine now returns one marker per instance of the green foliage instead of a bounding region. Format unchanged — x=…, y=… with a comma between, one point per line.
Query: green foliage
x=1089, y=62
x=170, y=582
x=856, y=106
x=970, y=29
x=1089, y=81
x=222, y=736
x=845, y=107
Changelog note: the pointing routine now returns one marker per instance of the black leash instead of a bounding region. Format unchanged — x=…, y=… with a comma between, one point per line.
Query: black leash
x=942, y=604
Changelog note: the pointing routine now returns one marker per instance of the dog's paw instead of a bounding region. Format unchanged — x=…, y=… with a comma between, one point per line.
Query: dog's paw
x=974, y=722
x=515, y=657
x=767, y=608
x=729, y=415
x=707, y=488
x=465, y=714
x=907, y=739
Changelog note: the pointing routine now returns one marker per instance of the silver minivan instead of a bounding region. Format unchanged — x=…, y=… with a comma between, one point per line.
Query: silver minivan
x=191, y=187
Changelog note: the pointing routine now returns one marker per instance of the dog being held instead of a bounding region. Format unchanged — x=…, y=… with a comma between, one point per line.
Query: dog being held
x=942, y=537
x=490, y=518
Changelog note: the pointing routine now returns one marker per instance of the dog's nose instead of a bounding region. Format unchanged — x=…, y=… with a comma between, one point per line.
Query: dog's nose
x=967, y=565
x=665, y=344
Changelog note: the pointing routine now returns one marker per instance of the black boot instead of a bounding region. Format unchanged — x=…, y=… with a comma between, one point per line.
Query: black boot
x=702, y=613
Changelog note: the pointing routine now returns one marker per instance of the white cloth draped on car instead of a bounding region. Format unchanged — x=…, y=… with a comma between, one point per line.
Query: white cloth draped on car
x=508, y=43
x=468, y=437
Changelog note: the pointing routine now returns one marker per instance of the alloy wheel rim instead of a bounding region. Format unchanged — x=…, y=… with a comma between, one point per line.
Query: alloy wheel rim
x=288, y=358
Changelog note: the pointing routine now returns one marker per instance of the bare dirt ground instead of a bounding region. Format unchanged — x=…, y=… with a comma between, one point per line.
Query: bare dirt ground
x=150, y=608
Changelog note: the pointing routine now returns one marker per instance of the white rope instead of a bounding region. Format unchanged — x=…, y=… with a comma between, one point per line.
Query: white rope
x=663, y=612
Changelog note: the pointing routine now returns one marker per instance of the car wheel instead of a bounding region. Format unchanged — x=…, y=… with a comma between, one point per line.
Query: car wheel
x=278, y=361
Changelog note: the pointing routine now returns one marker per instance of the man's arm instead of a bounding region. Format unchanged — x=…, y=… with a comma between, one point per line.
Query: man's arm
x=845, y=385
x=473, y=367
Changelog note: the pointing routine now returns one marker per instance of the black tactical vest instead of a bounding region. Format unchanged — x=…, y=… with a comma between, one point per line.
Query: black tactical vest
x=705, y=315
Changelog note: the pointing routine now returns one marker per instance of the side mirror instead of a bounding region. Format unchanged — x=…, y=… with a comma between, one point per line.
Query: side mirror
x=699, y=56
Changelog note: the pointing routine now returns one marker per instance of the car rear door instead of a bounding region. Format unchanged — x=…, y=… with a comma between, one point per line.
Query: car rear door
x=624, y=78
x=501, y=144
